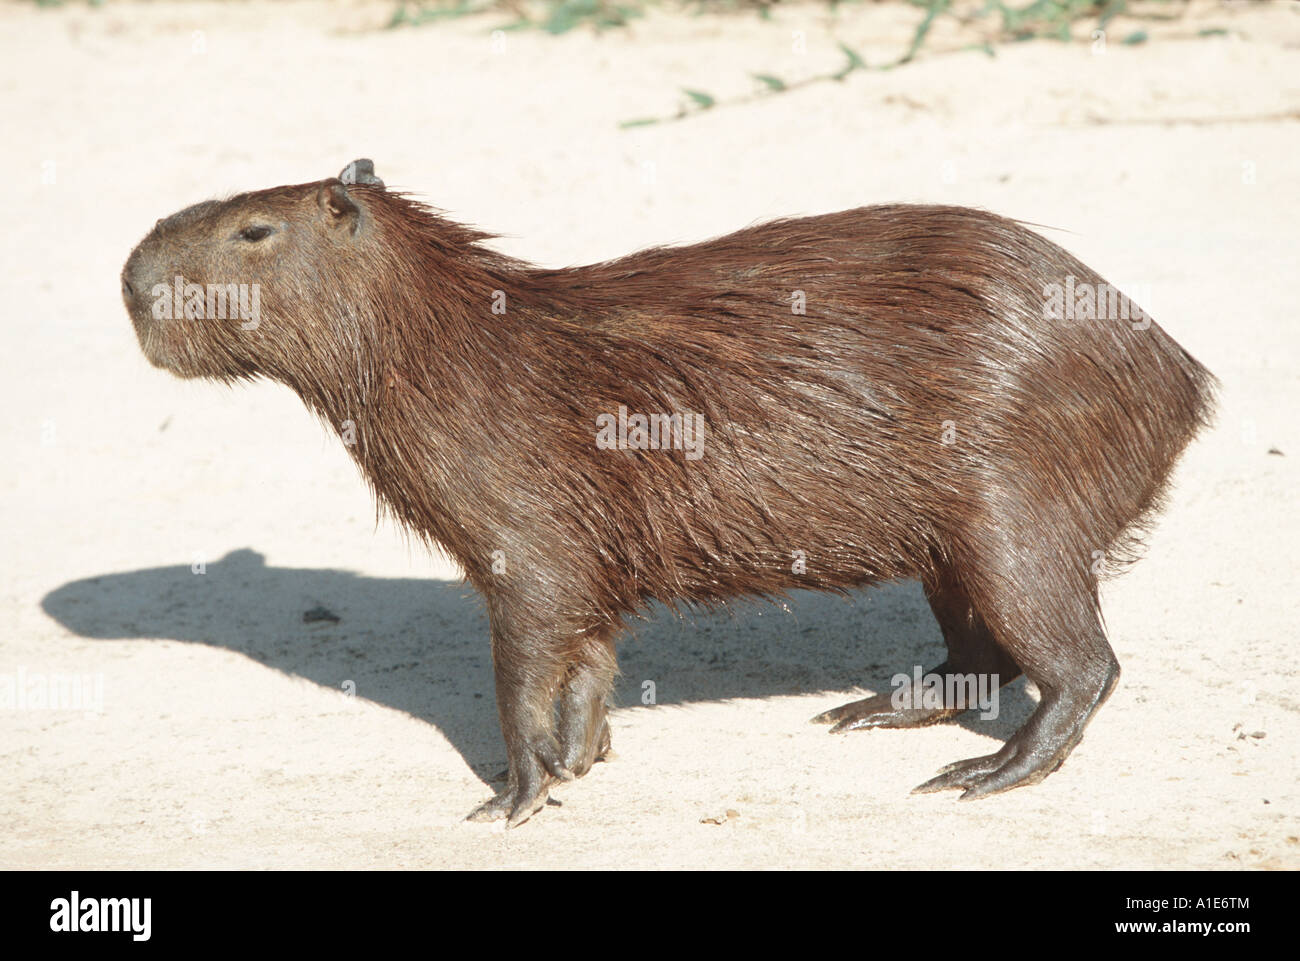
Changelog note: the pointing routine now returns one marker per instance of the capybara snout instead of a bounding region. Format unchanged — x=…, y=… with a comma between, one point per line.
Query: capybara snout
x=924, y=392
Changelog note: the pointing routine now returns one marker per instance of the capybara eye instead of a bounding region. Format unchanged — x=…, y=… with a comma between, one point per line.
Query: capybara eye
x=254, y=234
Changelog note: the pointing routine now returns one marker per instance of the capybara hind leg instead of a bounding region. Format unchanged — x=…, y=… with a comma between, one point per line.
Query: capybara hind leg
x=530, y=668
x=1046, y=617
x=971, y=652
x=583, y=727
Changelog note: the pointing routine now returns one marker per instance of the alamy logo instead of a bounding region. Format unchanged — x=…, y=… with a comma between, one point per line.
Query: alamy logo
x=919, y=691
x=26, y=690
x=182, y=301
x=684, y=432
x=1076, y=301
x=74, y=914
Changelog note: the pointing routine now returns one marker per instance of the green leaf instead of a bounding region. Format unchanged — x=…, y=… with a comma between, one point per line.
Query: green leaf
x=1136, y=37
x=772, y=83
x=933, y=9
x=855, y=62
x=702, y=99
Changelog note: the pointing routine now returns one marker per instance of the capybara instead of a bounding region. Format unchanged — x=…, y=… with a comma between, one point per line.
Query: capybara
x=890, y=392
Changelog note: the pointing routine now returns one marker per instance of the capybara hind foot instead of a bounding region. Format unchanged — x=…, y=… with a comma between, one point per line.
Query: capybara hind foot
x=972, y=654
x=879, y=711
x=1032, y=753
x=1013, y=766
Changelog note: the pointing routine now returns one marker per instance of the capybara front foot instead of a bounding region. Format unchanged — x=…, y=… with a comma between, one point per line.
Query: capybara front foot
x=542, y=769
x=538, y=766
x=512, y=805
x=523, y=796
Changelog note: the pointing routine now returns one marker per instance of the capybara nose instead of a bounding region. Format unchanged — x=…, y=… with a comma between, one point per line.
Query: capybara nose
x=135, y=281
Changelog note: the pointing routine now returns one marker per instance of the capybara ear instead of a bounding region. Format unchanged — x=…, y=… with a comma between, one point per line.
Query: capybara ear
x=361, y=171
x=337, y=205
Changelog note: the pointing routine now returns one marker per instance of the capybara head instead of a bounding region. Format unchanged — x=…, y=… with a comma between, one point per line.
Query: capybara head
x=232, y=288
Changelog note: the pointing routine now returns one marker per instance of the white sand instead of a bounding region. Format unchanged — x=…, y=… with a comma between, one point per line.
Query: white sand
x=223, y=738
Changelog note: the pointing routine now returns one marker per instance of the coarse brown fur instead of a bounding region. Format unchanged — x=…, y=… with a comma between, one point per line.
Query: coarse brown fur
x=921, y=418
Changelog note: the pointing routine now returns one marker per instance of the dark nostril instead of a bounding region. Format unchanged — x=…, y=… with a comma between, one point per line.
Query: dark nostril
x=127, y=290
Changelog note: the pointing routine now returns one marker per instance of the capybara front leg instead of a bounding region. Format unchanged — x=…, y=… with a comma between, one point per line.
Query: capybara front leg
x=1045, y=615
x=529, y=667
x=972, y=652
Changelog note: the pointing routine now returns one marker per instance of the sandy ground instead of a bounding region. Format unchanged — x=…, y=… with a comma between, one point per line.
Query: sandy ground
x=218, y=729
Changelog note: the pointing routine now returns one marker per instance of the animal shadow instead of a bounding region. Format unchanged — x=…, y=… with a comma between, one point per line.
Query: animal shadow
x=421, y=645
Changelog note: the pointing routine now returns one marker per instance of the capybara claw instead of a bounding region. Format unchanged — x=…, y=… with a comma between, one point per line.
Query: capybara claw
x=880, y=712
x=980, y=777
x=960, y=774
x=524, y=810
x=493, y=810
x=510, y=807
x=859, y=723
x=547, y=751
x=848, y=717
x=836, y=718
